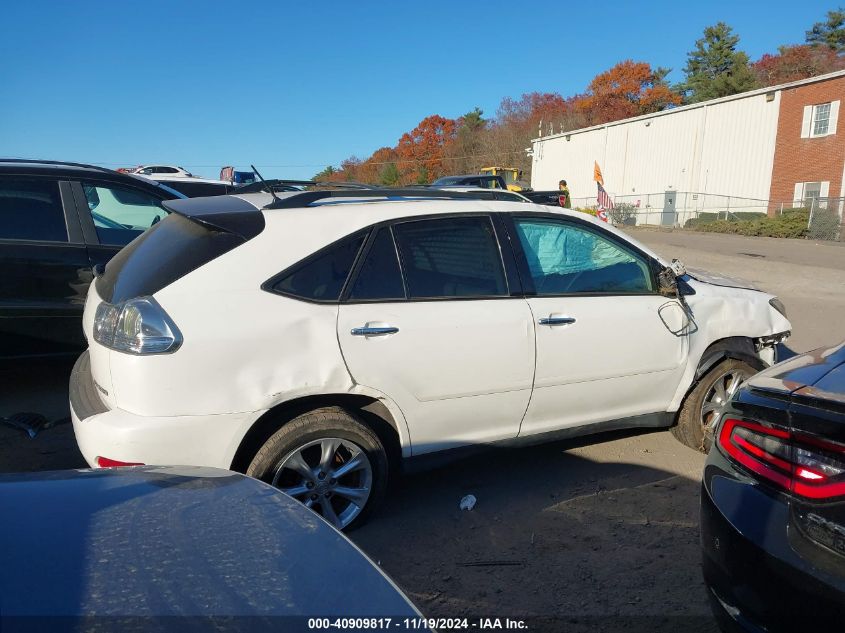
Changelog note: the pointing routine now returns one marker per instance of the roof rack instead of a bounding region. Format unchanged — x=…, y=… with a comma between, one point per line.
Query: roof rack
x=303, y=199
x=64, y=163
x=279, y=184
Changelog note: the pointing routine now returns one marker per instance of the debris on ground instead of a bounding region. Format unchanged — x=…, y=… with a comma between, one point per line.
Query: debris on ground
x=30, y=424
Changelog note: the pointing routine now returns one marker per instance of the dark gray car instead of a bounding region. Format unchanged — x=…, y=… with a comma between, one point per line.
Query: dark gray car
x=130, y=548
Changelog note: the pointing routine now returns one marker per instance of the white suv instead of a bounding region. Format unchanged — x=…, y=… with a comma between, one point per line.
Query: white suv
x=315, y=340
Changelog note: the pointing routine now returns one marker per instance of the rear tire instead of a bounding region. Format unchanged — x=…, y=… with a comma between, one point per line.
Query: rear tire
x=701, y=407
x=328, y=460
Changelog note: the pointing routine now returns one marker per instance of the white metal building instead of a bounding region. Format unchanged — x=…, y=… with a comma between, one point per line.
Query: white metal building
x=719, y=148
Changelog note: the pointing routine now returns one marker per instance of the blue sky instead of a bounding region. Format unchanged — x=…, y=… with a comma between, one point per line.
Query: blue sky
x=292, y=87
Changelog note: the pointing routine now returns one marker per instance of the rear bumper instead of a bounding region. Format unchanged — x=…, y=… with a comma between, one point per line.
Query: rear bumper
x=757, y=580
x=209, y=440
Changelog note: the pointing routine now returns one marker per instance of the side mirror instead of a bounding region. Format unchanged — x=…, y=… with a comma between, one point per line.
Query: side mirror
x=668, y=282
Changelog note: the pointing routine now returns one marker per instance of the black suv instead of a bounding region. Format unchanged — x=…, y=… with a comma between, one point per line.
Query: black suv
x=57, y=222
x=471, y=180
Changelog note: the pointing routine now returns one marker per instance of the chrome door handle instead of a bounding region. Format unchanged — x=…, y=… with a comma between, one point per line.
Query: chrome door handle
x=370, y=330
x=556, y=319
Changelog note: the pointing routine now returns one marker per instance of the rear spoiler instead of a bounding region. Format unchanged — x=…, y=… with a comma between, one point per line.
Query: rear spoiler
x=229, y=214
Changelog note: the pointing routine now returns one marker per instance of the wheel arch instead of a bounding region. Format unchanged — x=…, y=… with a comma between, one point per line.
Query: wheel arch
x=371, y=411
x=736, y=347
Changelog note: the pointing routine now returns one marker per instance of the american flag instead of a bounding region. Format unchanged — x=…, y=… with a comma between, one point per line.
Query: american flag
x=603, y=199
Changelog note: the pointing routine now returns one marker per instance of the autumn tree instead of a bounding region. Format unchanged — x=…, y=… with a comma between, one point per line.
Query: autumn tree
x=628, y=89
x=463, y=154
x=518, y=121
x=370, y=170
x=716, y=68
x=420, y=152
x=830, y=33
x=536, y=108
x=796, y=62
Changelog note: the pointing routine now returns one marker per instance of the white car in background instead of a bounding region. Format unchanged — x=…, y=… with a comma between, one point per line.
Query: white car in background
x=170, y=171
x=317, y=339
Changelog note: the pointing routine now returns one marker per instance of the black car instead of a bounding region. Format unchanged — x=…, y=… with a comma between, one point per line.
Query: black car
x=773, y=500
x=198, y=187
x=482, y=181
x=57, y=222
x=549, y=198
x=175, y=548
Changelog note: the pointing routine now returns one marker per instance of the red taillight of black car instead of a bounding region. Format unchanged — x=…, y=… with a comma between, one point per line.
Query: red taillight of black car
x=803, y=465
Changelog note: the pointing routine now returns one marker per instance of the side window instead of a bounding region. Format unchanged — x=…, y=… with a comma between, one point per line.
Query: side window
x=321, y=278
x=379, y=277
x=564, y=258
x=31, y=209
x=451, y=257
x=121, y=214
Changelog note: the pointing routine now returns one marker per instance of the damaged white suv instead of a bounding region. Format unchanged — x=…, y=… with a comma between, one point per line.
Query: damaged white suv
x=315, y=340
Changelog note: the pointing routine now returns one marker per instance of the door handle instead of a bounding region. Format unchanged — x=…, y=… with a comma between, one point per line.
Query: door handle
x=374, y=330
x=556, y=319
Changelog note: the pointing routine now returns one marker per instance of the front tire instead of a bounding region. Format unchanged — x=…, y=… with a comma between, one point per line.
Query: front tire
x=328, y=460
x=703, y=404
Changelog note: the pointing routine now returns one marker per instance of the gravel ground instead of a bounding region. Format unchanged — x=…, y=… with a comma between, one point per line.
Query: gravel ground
x=595, y=533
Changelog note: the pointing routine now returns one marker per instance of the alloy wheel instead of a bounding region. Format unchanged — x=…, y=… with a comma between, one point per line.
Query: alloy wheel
x=719, y=394
x=332, y=476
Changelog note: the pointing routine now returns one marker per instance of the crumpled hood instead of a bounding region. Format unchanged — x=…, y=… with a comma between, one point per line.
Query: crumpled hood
x=720, y=280
x=727, y=309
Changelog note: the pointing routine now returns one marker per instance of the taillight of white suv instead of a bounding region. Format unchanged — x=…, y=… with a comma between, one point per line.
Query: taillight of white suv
x=138, y=326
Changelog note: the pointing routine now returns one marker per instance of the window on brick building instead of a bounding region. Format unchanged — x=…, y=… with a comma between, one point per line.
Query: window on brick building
x=820, y=119
x=811, y=194
x=812, y=190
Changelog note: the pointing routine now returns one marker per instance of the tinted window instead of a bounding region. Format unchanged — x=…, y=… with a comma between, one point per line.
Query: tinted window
x=119, y=214
x=31, y=209
x=451, y=257
x=379, y=276
x=169, y=250
x=564, y=258
x=321, y=278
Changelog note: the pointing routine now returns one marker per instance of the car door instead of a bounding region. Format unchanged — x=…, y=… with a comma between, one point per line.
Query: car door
x=608, y=345
x=45, y=268
x=112, y=215
x=430, y=320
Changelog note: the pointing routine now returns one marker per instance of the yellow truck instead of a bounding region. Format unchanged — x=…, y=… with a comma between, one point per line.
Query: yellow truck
x=512, y=176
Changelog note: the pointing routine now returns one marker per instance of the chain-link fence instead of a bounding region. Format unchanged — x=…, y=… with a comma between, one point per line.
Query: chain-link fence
x=821, y=217
x=825, y=221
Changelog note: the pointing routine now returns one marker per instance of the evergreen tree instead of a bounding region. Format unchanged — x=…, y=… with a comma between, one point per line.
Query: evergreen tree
x=716, y=68
x=325, y=174
x=830, y=33
x=390, y=176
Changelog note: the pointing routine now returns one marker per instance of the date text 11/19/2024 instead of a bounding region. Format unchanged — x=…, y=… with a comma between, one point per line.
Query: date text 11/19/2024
x=416, y=624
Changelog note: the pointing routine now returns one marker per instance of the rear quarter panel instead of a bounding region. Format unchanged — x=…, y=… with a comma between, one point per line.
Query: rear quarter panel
x=244, y=349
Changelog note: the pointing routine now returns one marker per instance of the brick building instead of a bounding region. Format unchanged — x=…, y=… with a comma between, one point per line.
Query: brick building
x=809, y=155
x=761, y=150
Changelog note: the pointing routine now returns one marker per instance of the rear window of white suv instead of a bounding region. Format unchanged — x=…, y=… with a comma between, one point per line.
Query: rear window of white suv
x=322, y=276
